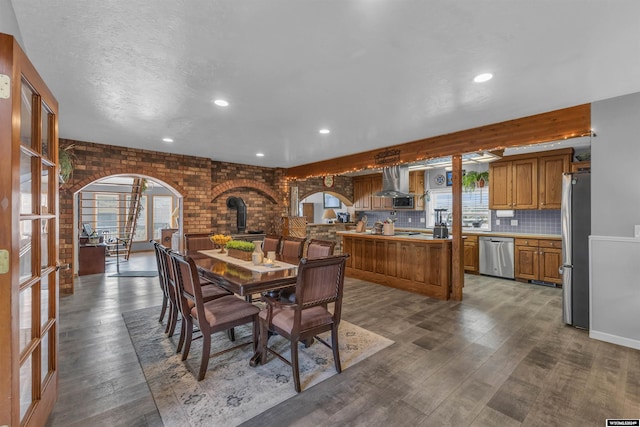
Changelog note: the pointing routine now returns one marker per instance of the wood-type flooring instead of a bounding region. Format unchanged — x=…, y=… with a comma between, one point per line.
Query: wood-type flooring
x=500, y=357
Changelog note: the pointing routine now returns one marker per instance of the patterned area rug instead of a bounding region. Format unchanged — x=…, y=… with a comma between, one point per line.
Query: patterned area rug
x=232, y=391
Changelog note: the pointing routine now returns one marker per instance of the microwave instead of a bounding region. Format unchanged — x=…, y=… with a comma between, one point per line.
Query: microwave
x=403, y=202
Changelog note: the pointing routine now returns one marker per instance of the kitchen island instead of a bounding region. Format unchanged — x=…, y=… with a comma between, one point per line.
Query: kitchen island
x=412, y=262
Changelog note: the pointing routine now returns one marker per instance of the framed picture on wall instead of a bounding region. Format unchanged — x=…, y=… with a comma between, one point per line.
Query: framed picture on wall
x=450, y=177
x=331, y=201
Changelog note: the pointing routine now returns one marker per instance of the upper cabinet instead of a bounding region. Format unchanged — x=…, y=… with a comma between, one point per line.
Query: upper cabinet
x=416, y=186
x=362, y=192
x=365, y=186
x=531, y=181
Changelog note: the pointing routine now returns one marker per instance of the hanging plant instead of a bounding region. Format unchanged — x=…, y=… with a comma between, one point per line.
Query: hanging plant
x=473, y=179
x=66, y=157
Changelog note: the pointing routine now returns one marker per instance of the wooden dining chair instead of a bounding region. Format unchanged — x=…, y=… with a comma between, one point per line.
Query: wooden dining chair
x=320, y=281
x=220, y=314
x=271, y=242
x=291, y=247
x=319, y=248
x=160, y=262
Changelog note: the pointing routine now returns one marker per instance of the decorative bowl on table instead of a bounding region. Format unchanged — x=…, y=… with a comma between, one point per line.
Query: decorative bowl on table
x=220, y=241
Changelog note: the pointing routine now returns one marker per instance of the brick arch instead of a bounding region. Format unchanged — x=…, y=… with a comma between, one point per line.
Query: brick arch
x=261, y=187
x=126, y=170
x=344, y=199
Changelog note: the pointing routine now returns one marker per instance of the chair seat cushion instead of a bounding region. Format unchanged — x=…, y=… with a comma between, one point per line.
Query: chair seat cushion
x=310, y=318
x=226, y=309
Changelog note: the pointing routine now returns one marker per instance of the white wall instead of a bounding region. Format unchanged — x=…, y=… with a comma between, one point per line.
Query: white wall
x=9, y=23
x=615, y=188
x=615, y=209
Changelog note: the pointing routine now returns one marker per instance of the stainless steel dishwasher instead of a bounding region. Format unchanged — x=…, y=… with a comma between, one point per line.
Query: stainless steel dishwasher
x=496, y=256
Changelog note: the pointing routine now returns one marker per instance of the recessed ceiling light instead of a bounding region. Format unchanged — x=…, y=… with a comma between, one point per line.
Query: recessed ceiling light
x=167, y=139
x=259, y=154
x=324, y=131
x=221, y=103
x=484, y=77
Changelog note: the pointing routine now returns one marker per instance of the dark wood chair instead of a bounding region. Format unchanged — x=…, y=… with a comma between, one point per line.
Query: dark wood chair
x=161, y=263
x=270, y=243
x=320, y=282
x=220, y=314
x=291, y=247
x=194, y=242
x=320, y=248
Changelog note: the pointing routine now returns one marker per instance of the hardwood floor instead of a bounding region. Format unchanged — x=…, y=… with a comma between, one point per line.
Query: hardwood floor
x=500, y=357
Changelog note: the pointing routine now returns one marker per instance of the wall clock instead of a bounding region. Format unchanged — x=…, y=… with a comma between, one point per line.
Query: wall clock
x=328, y=181
x=439, y=179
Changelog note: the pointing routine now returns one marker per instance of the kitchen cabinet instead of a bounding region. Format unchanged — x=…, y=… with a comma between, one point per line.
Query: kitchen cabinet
x=538, y=260
x=416, y=186
x=362, y=192
x=471, y=258
x=550, y=170
x=528, y=181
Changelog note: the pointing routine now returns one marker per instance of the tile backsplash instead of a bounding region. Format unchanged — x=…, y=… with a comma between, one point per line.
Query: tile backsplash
x=529, y=221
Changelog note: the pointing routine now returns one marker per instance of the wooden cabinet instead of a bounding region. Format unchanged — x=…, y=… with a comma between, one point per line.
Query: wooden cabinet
x=416, y=186
x=513, y=184
x=362, y=192
x=528, y=181
x=91, y=259
x=538, y=260
x=550, y=170
x=471, y=258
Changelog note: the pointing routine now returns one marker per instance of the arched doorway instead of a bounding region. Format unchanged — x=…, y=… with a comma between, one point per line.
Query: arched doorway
x=314, y=205
x=104, y=209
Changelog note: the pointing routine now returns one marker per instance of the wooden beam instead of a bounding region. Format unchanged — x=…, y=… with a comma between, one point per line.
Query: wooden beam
x=457, y=248
x=552, y=126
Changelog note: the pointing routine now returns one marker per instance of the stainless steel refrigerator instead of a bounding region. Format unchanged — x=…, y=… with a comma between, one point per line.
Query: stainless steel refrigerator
x=576, y=227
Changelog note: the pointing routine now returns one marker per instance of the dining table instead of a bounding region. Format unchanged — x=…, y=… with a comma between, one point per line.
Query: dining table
x=245, y=278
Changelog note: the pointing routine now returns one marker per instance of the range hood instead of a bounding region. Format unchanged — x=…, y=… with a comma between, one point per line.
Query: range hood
x=395, y=182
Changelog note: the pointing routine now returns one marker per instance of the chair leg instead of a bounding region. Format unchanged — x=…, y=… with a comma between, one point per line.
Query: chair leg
x=294, y=364
x=231, y=333
x=188, y=335
x=170, y=316
x=164, y=308
x=264, y=338
x=174, y=322
x=183, y=326
x=206, y=350
x=256, y=336
x=336, y=350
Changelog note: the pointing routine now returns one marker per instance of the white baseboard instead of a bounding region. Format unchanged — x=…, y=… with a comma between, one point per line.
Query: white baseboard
x=614, y=339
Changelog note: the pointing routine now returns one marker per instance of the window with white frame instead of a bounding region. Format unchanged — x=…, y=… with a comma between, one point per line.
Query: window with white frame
x=107, y=214
x=140, y=234
x=475, y=207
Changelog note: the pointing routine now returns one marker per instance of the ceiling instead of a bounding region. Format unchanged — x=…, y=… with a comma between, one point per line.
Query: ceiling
x=374, y=72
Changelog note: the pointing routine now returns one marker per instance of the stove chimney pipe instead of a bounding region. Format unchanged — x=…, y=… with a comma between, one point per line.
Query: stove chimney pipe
x=238, y=204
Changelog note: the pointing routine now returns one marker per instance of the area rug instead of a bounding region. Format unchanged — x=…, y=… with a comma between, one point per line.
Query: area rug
x=150, y=273
x=232, y=391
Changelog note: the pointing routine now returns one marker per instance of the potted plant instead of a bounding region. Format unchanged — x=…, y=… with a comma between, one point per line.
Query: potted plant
x=240, y=249
x=473, y=179
x=65, y=159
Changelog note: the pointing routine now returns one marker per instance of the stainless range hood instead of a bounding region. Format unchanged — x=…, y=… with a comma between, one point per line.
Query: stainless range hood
x=395, y=182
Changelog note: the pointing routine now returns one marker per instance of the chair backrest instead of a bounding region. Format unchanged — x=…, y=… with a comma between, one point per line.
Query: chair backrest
x=194, y=242
x=320, y=248
x=160, y=263
x=271, y=243
x=321, y=281
x=187, y=284
x=292, y=247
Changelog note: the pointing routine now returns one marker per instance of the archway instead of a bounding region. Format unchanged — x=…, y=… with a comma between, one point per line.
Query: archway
x=103, y=204
x=313, y=204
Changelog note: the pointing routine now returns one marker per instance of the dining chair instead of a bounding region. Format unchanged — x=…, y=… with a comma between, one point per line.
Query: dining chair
x=319, y=248
x=315, y=249
x=160, y=262
x=319, y=282
x=271, y=242
x=292, y=247
x=220, y=314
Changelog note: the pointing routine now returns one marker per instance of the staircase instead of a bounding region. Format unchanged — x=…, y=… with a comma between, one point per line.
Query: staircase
x=137, y=188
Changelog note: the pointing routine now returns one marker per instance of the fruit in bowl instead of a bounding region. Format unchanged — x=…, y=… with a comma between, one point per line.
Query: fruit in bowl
x=220, y=240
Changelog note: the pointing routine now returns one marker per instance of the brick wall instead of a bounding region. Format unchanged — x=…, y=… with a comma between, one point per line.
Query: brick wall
x=204, y=184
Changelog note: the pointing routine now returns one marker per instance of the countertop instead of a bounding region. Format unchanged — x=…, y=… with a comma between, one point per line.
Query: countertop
x=424, y=233
x=422, y=236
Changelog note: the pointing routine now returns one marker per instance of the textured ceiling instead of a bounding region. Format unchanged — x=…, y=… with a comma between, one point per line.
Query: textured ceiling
x=376, y=72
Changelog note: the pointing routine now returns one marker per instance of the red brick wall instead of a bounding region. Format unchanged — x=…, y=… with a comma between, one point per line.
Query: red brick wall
x=204, y=184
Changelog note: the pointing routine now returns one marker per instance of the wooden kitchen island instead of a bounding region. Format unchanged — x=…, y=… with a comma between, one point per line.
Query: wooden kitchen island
x=416, y=263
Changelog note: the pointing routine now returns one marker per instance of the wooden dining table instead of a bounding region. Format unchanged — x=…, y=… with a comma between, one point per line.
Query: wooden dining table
x=246, y=282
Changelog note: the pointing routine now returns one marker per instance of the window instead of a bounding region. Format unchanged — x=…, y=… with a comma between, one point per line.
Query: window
x=475, y=207
x=331, y=201
x=107, y=215
x=162, y=208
